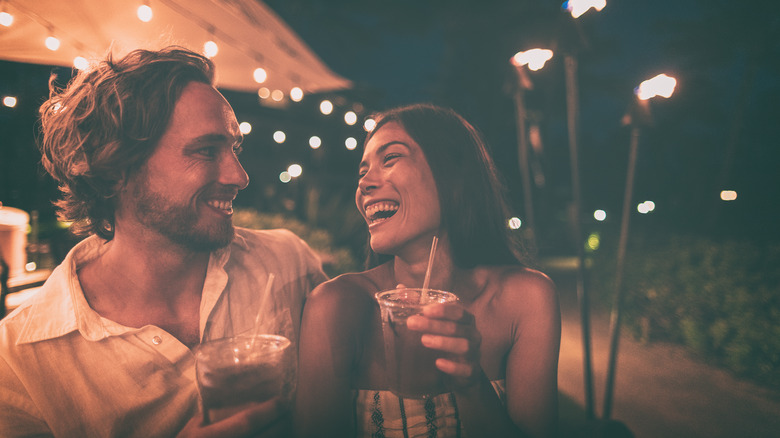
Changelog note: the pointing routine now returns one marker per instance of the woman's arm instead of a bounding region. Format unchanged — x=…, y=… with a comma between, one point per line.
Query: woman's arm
x=528, y=301
x=532, y=364
x=329, y=345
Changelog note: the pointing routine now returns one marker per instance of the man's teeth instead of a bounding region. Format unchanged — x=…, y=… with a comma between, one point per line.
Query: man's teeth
x=381, y=210
x=221, y=205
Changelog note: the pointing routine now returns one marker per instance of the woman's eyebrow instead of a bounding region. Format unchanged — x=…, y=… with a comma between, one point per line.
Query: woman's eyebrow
x=381, y=149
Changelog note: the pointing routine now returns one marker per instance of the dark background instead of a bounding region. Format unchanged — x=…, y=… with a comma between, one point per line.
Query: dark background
x=718, y=131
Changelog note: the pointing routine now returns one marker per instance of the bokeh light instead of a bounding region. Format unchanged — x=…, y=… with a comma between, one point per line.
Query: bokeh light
x=144, y=13
x=326, y=107
x=9, y=101
x=295, y=170
x=280, y=137
x=515, y=223
x=245, y=127
x=350, y=118
x=52, y=43
x=210, y=49
x=728, y=195
x=285, y=177
x=350, y=143
x=369, y=125
x=296, y=94
x=315, y=142
x=260, y=75
x=600, y=215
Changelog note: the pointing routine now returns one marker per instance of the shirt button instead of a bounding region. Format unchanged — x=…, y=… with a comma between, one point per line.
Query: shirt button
x=156, y=340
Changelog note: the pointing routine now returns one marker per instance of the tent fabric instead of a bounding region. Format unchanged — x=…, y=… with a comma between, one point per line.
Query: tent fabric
x=248, y=33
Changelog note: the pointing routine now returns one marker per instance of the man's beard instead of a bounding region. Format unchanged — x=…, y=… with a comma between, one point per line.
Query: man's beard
x=179, y=223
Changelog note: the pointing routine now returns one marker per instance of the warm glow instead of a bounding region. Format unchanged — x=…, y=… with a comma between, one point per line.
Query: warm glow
x=660, y=85
x=6, y=19
x=285, y=177
x=728, y=195
x=245, y=127
x=326, y=107
x=534, y=58
x=264, y=93
x=315, y=142
x=350, y=143
x=579, y=7
x=369, y=125
x=280, y=137
x=593, y=241
x=296, y=94
x=9, y=101
x=646, y=207
x=210, y=49
x=52, y=43
x=515, y=223
x=295, y=170
x=80, y=63
x=350, y=118
x=144, y=13
x=260, y=75
x=277, y=95
x=600, y=215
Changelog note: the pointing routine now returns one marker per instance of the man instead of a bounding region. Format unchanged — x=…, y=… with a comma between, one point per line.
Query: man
x=145, y=150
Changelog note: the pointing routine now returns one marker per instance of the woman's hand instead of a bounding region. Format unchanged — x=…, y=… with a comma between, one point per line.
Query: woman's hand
x=450, y=328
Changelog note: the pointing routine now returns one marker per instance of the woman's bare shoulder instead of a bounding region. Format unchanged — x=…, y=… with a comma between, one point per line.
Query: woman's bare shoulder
x=523, y=288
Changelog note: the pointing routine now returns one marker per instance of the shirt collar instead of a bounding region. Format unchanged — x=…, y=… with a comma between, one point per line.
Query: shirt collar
x=60, y=307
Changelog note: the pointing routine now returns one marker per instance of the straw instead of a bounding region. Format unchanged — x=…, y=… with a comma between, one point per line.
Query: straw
x=427, y=281
x=266, y=297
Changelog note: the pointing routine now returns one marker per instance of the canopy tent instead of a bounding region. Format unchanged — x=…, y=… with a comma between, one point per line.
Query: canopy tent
x=248, y=34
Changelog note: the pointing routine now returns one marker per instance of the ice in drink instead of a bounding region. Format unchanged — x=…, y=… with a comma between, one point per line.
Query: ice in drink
x=235, y=371
x=411, y=367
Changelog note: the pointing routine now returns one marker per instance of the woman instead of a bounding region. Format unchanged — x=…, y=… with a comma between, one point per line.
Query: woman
x=425, y=172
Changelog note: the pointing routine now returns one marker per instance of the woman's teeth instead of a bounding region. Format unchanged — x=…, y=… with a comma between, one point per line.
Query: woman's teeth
x=381, y=210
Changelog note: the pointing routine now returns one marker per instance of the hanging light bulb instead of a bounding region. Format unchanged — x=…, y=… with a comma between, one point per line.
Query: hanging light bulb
x=210, y=49
x=80, y=63
x=52, y=43
x=144, y=13
x=260, y=75
x=6, y=19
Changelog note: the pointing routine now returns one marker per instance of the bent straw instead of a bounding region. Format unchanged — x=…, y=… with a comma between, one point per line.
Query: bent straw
x=427, y=281
x=266, y=297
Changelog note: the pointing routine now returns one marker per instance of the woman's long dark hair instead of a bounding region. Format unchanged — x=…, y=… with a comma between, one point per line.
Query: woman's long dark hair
x=474, y=211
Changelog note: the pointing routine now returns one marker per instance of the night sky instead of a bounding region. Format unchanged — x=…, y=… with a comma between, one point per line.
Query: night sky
x=718, y=131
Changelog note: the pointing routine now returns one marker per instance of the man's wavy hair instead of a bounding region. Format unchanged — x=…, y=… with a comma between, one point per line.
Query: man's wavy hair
x=106, y=123
x=474, y=211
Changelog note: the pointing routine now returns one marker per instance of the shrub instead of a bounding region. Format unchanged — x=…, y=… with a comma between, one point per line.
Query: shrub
x=721, y=299
x=335, y=260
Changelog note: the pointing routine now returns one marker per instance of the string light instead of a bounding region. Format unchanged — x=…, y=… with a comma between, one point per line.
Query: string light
x=260, y=75
x=6, y=19
x=296, y=94
x=80, y=63
x=52, y=43
x=145, y=13
x=326, y=107
x=210, y=49
x=9, y=101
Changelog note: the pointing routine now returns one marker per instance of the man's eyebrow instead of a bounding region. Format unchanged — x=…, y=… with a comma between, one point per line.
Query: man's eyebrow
x=215, y=138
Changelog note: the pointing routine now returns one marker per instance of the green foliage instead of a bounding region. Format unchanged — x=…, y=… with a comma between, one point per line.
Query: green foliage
x=336, y=260
x=719, y=298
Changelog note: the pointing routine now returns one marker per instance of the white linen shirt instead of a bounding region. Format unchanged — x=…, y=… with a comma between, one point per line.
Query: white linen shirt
x=66, y=371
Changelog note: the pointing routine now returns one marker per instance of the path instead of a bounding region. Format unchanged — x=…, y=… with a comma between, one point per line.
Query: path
x=660, y=389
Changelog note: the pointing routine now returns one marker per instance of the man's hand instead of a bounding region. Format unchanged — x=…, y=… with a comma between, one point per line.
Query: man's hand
x=268, y=419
